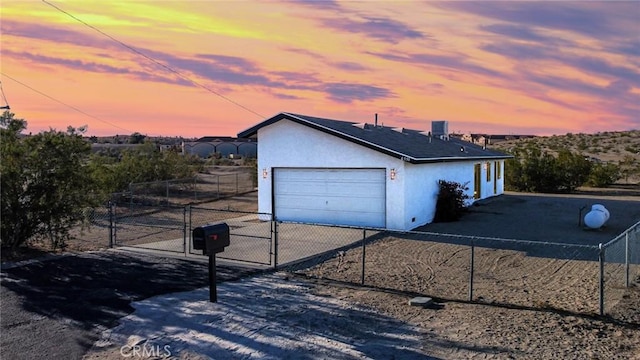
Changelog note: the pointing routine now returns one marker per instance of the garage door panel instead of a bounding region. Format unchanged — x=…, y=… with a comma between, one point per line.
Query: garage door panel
x=332, y=196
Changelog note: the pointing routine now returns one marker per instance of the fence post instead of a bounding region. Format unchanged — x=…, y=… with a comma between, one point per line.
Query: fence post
x=189, y=228
x=471, y=260
x=601, y=261
x=184, y=229
x=364, y=247
x=195, y=189
x=626, y=259
x=275, y=244
x=110, y=224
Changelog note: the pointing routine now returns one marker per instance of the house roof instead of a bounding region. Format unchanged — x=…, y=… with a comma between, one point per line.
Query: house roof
x=409, y=145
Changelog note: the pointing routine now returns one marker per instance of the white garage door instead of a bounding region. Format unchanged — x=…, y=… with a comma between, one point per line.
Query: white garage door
x=331, y=196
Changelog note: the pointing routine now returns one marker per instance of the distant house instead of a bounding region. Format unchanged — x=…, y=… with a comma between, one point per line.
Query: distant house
x=339, y=172
x=486, y=139
x=226, y=146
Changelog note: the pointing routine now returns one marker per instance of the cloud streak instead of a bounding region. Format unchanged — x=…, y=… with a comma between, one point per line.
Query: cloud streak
x=348, y=93
x=590, y=19
x=456, y=63
x=377, y=28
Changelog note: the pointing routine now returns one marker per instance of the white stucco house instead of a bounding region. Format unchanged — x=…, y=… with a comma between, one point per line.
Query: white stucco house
x=339, y=172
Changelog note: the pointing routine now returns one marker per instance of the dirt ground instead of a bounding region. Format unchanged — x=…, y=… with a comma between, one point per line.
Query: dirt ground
x=525, y=306
x=459, y=330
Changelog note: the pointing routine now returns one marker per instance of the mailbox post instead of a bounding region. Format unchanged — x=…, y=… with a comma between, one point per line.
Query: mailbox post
x=211, y=239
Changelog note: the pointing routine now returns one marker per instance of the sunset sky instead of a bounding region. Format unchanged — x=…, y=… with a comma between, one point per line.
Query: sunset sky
x=196, y=68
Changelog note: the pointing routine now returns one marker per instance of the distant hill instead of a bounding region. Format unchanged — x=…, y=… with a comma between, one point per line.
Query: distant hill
x=605, y=146
x=618, y=147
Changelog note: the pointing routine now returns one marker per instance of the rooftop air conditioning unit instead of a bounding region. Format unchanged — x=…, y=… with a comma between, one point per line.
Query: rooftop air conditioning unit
x=440, y=129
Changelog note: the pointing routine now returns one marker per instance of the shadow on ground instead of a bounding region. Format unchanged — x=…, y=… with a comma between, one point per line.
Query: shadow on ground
x=88, y=292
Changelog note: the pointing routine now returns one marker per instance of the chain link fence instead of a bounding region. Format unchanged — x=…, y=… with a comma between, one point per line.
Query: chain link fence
x=202, y=188
x=530, y=274
x=252, y=234
x=621, y=265
x=92, y=231
x=155, y=228
x=466, y=268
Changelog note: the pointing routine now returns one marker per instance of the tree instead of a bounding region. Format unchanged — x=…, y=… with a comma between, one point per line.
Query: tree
x=137, y=138
x=44, y=183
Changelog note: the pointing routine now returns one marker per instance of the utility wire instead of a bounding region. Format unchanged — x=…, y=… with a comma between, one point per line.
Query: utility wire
x=167, y=67
x=65, y=104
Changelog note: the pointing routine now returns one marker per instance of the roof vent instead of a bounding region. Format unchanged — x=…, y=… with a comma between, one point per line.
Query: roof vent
x=440, y=129
x=398, y=129
x=361, y=125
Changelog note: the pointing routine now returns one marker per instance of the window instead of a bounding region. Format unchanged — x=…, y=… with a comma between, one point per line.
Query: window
x=498, y=170
x=488, y=166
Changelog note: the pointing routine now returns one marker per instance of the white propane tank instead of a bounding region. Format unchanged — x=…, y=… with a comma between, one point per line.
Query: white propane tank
x=603, y=209
x=597, y=217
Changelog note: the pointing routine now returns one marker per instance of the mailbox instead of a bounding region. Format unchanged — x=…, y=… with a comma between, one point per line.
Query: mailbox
x=211, y=239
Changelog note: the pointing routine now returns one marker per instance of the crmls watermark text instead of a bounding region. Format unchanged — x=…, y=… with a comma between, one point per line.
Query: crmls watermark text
x=145, y=351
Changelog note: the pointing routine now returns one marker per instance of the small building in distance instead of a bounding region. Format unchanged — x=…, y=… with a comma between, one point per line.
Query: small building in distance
x=488, y=139
x=226, y=146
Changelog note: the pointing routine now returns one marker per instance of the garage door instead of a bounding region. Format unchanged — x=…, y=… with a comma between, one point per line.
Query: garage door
x=331, y=196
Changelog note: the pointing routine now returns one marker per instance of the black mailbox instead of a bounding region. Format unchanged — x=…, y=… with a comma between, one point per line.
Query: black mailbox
x=211, y=239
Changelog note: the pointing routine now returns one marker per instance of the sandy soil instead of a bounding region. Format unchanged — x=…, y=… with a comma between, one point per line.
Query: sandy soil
x=527, y=319
x=534, y=303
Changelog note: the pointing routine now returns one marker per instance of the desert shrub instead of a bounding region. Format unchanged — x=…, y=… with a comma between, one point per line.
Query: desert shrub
x=534, y=170
x=451, y=203
x=603, y=175
x=145, y=163
x=629, y=166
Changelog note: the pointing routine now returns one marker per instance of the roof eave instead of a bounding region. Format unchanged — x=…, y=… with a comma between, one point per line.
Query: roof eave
x=458, y=158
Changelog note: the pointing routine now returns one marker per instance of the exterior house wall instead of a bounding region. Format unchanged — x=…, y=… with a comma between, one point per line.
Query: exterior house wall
x=288, y=144
x=421, y=187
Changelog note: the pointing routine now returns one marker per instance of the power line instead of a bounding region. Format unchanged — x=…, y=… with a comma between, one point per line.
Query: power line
x=65, y=104
x=167, y=67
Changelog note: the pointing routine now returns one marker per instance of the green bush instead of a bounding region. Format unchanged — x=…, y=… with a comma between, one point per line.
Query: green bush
x=451, y=204
x=603, y=175
x=534, y=170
